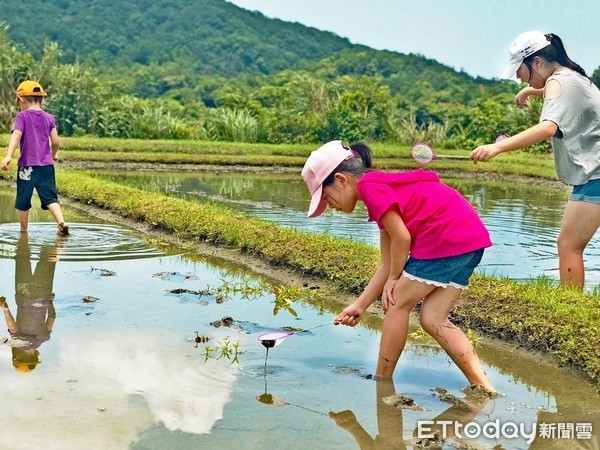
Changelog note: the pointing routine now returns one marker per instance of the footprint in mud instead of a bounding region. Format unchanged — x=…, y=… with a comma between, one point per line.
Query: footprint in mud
x=185, y=291
x=188, y=296
x=226, y=321
x=402, y=402
x=175, y=276
x=345, y=370
x=476, y=395
x=435, y=442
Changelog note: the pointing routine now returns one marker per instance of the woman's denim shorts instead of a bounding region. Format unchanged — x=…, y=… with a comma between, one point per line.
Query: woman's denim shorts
x=443, y=272
x=588, y=192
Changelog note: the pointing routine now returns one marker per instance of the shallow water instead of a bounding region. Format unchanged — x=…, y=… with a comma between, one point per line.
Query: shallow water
x=122, y=369
x=523, y=219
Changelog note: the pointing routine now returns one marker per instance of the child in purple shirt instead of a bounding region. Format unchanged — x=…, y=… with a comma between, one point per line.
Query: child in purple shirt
x=431, y=240
x=31, y=130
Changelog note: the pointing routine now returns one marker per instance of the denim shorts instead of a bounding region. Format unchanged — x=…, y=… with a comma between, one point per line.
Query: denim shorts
x=588, y=192
x=40, y=178
x=443, y=272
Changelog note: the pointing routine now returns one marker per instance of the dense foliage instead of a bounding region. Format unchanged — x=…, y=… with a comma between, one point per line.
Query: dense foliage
x=207, y=36
x=210, y=70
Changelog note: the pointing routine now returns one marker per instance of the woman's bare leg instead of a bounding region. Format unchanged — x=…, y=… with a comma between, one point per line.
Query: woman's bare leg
x=580, y=222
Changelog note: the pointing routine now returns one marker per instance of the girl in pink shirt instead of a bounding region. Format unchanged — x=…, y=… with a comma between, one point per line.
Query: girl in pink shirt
x=431, y=240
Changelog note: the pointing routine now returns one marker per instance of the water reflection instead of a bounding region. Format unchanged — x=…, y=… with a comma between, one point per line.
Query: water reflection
x=87, y=241
x=34, y=298
x=182, y=396
x=390, y=424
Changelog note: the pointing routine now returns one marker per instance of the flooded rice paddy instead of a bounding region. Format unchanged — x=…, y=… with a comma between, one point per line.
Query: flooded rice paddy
x=523, y=219
x=119, y=344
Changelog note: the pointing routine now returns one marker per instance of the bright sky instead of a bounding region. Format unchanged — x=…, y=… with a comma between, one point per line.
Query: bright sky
x=472, y=35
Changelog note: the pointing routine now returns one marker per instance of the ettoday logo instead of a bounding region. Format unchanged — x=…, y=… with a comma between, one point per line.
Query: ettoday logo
x=509, y=430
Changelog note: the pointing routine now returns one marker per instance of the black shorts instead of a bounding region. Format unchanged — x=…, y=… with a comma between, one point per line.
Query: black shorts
x=40, y=178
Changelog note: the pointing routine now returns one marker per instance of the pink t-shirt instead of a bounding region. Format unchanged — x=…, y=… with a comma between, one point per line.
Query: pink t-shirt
x=36, y=125
x=440, y=220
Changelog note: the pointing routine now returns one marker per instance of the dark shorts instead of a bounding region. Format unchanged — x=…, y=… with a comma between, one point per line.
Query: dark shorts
x=443, y=272
x=588, y=192
x=40, y=178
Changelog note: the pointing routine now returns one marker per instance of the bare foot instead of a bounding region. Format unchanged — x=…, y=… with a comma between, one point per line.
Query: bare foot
x=63, y=229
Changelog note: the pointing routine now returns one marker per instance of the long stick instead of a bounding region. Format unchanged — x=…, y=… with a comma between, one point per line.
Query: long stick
x=356, y=316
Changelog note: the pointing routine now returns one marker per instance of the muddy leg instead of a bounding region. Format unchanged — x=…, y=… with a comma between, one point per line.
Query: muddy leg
x=407, y=294
x=434, y=320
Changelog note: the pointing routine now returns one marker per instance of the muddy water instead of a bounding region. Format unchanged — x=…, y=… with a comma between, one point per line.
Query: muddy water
x=523, y=219
x=111, y=360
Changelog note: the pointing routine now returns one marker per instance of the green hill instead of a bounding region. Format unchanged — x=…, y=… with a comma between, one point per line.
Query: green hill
x=203, y=37
x=212, y=36
x=209, y=69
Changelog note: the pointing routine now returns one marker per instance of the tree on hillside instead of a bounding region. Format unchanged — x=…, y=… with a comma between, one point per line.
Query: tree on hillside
x=596, y=77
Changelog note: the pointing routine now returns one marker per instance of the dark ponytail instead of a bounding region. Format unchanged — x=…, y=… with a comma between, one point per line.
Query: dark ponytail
x=555, y=53
x=356, y=166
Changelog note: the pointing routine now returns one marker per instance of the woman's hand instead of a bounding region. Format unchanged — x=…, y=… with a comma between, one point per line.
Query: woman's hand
x=522, y=98
x=484, y=152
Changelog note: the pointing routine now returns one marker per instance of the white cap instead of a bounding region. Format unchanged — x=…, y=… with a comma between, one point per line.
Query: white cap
x=524, y=45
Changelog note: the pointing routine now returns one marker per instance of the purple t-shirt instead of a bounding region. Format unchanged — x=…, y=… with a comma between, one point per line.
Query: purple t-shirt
x=440, y=220
x=36, y=125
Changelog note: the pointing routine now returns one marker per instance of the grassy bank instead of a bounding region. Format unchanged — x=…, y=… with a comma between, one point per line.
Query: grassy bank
x=563, y=322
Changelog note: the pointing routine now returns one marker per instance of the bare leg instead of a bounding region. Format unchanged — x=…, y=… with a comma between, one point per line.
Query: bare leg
x=24, y=220
x=63, y=228
x=56, y=212
x=434, y=320
x=580, y=222
x=407, y=294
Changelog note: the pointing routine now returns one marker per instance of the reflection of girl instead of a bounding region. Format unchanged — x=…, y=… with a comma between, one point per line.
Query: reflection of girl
x=35, y=306
x=419, y=215
x=390, y=425
x=571, y=119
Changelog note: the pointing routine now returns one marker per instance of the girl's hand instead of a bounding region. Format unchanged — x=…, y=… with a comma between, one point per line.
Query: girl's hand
x=484, y=153
x=522, y=98
x=387, y=297
x=350, y=316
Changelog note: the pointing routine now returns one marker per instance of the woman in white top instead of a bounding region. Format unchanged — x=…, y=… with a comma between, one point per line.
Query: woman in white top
x=571, y=119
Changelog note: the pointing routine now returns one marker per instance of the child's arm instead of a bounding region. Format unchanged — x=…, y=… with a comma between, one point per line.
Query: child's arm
x=10, y=321
x=54, y=143
x=51, y=315
x=373, y=289
x=522, y=98
x=537, y=133
x=399, y=249
x=395, y=246
x=15, y=138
